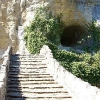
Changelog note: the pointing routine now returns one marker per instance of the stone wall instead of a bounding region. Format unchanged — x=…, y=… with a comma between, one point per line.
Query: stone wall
x=22, y=49
x=3, y=73
x=77, y=88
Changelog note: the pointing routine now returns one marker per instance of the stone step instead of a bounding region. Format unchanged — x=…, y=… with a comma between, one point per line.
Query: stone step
x=22, y=68
x=27, y=66
x=28, y=71
x=29, y=63
x=45, y=90
x=31, y=82
x=36, y=55
x=59, y=87
x=30, y=79
x=60, y=98
x=27, y=56
x=36, y=95
x=11, y=73
x=41, y=58
x=14, y=76
x=34, y=85
x=30, y=58
x=27, y=60
x=30, y=76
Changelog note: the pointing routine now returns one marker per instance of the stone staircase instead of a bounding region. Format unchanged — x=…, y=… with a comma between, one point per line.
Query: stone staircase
x=28, y=80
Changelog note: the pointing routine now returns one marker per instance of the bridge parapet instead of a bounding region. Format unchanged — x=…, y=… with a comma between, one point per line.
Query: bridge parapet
x=77, y=88
x=4, y=68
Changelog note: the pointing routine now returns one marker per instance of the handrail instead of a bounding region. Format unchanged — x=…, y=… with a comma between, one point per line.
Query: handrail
x=3, y=72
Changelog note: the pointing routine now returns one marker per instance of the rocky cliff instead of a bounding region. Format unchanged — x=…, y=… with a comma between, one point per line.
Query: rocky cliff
x=14, y=13
x=9, y=20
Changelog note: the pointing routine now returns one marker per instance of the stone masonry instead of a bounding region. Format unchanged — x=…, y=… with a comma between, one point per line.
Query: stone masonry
x=78, y=89
x=28, y=79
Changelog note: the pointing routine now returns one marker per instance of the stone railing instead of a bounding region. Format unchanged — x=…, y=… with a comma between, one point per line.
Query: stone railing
x=77, y=88
x=3, y=73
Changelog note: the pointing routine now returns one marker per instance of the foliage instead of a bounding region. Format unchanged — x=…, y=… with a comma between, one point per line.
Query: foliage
x=91, y=42
x=47, y=29
x=35, y=41
x=84, y=66
x=94, y=34
x=50, y=26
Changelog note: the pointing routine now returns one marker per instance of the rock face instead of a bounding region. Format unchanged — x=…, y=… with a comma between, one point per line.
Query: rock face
x=9, y=18
x=14, y=13
x=70, y=14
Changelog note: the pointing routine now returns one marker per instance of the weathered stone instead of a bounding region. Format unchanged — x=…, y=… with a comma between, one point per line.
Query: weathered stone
x=23, y=11
x=35, y=85
x=20, y=12
x=79, y=89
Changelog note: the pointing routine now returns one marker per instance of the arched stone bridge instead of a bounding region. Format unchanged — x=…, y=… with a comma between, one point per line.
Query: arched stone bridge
x=40, y=77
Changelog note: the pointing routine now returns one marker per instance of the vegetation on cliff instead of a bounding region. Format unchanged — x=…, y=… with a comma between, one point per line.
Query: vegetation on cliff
x=47, y=29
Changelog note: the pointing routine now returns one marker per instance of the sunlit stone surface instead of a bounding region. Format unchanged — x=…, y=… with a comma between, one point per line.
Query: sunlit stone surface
x=14, y=13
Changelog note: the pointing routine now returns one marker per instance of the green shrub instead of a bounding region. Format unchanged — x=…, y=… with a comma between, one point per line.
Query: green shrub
x=44, y=28
x=50, y=26
x=84, y=66
x=94, y=34
x=35, y=41
x=63, y=55
x=47, y=29
x=91, y=41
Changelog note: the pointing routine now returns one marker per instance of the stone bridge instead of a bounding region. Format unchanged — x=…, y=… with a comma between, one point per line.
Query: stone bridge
x=18, y=82
x=40, y=77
